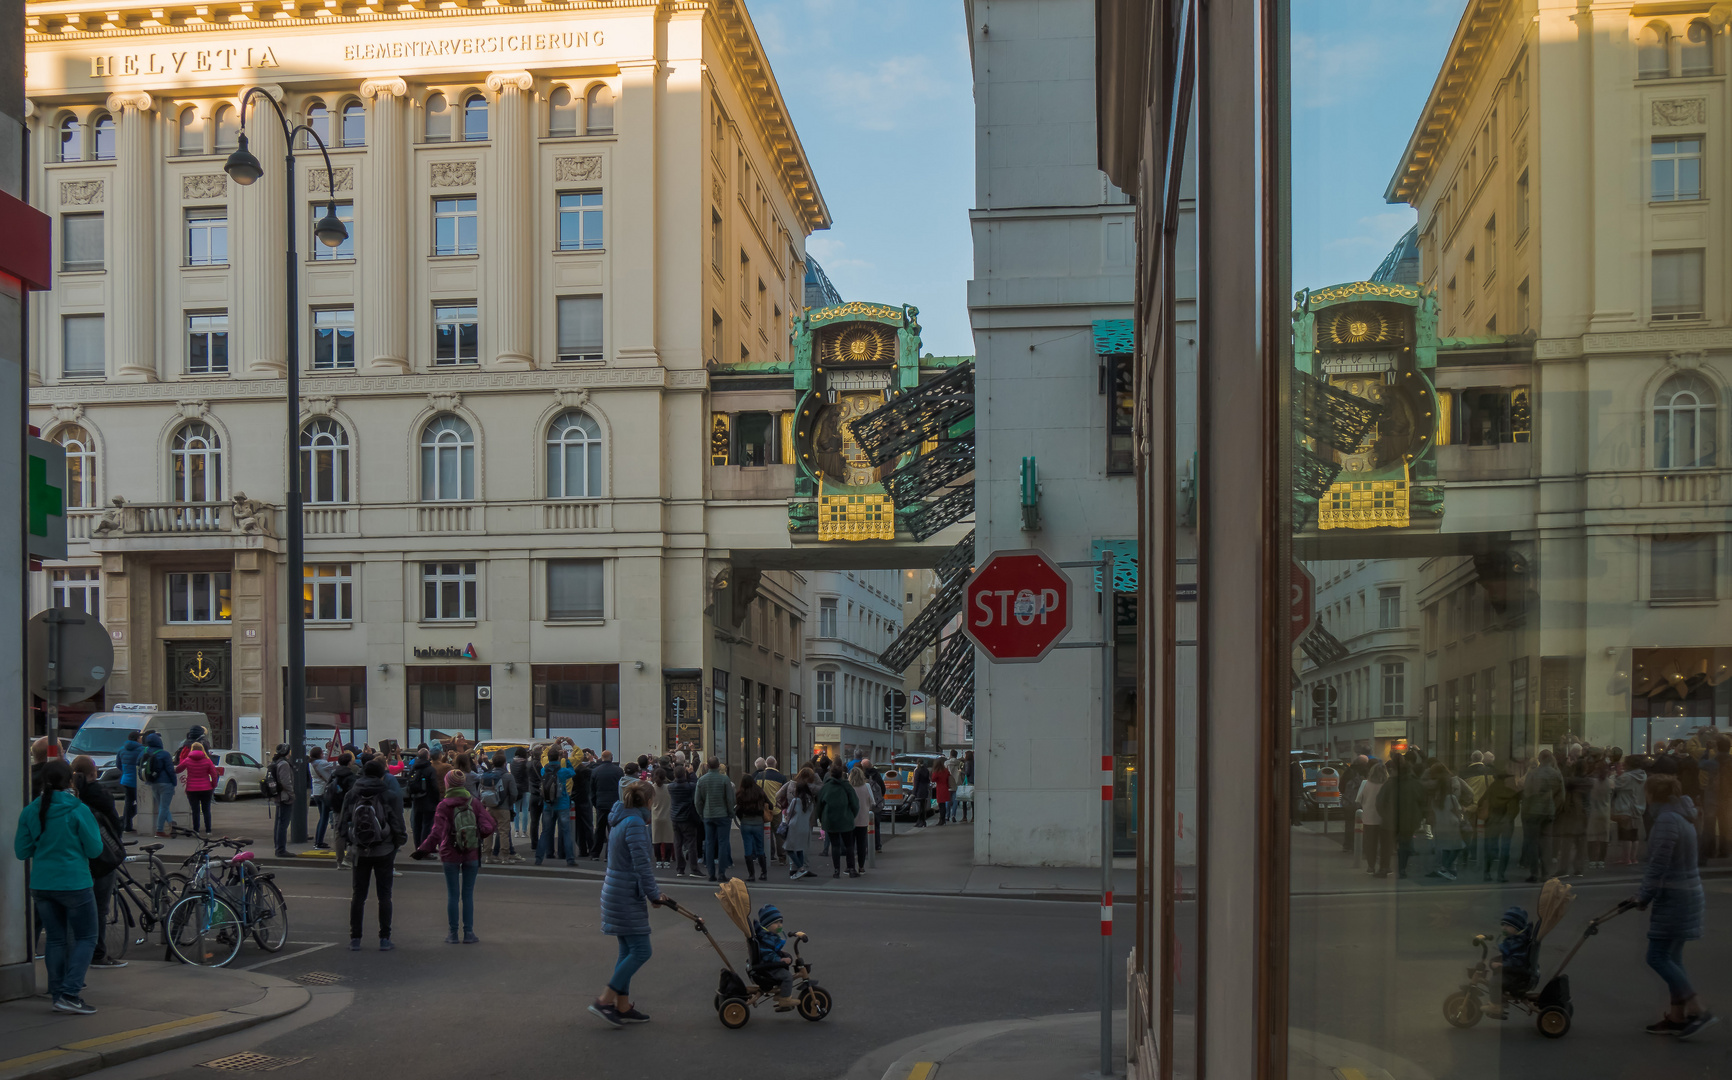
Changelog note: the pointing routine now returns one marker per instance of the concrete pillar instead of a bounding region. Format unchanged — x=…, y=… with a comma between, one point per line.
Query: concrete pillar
x=258, y=239
x=135, y=269
x=635, y=215
x=254, y=669
x=513, y=251
x=383, y=243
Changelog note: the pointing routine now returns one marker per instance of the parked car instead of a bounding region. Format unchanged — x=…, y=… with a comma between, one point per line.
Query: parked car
x=904, y=765
x=238, y=774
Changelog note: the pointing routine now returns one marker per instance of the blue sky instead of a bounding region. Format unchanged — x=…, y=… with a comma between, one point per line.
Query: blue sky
x=1362, y=70
x=880, y=94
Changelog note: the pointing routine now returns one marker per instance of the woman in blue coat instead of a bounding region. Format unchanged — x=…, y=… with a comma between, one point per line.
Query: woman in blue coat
x=58, y=834
x=629, y=887
x=1672, y=893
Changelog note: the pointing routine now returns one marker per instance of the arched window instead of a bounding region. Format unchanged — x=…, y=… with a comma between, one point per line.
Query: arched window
x=325, y=461
x=228, y=129
x=475, y=118
x=1651, y=49
x=600, y=111
x=1697, y=51
x=102, y=138
x=354, y=124
x=319, y=119
x=562, y=114
x=80, y=466
x=196, y=461
x=1685, y=419
x=574, y=457
x=191, y=131
x=71, y=139
x=438, y=118
x=447, y=460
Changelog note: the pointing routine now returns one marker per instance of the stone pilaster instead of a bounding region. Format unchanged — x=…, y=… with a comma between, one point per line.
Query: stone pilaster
x=383, y=244
x=513, y=254
x=258, y=238
x=634, y=215
x=132, y=331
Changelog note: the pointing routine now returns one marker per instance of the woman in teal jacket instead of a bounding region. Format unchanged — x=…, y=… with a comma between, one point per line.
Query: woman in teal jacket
x=58, y=834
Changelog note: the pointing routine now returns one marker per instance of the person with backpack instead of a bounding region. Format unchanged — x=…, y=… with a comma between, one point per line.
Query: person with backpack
x=156, y=768
x=688, y=826
x=59, y=835
x=343, y=778
x=520, y=781
x=88, y=787
x=460, y=824
x=372, y=821
x=556, y=836
x=499, y=794
x=127, y=761
x=422, y=790
x=280, y=792
x=319, y=770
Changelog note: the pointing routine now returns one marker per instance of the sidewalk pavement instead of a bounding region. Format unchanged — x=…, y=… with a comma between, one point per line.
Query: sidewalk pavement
x=145, y=1008
x=936, y=859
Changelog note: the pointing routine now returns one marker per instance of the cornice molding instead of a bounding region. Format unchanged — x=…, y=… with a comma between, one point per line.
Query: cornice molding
x=1671, y=343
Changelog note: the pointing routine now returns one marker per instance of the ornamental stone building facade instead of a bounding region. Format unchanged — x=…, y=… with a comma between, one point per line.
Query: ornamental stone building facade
x=564, y=219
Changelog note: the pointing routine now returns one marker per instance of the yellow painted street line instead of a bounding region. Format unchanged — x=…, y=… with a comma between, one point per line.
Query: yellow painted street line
x=30, y=1059
x=186, y=1021
x=922, y=1070
x=1349, y=1074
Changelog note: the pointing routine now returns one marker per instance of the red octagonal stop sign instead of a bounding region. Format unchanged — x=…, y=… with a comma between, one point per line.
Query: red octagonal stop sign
x=1016, y=606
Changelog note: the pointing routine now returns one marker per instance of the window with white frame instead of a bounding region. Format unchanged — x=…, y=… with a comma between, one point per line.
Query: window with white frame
x=1389, y=607
x=102, y=140
x=574, y=459
x=580, y=225
x=580, y=326
x=448, y=591
x=333, y=339
x=82, y=340
x=1686, y=423
x=345, y=214
x=78, y=588
x=324, y=461
x=1682, y=567
x=1394, y=689
x=328, y=592
x=447, y=460
x=80, y=466
x=454, y=226
x=1675, y=169
x=826, y=701
x=456, y=334
x=319, y=120
x=198, y=597
x=574, y=589
x=1678, y=292
x=827, y=617
x=207, y=343
x=475, y=118
x=81, y=246
x=196, y=464
x=354, y=125
x=207, y=236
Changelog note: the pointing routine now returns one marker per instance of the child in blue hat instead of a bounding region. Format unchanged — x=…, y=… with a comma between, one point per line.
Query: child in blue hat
x=768, y=941
x=1515, y=954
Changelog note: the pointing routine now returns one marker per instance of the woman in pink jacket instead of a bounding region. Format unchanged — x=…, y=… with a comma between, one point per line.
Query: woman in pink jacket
x=201, y=778
x=460, y=823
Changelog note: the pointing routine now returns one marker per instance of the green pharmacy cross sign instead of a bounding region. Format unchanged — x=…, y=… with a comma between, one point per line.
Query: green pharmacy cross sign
x=45, y=498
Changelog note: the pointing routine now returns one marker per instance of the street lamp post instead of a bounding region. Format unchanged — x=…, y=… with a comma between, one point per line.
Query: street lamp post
x=243, y=168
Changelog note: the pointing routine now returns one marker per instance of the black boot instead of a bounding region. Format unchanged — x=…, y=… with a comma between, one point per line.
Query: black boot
x=763, y=868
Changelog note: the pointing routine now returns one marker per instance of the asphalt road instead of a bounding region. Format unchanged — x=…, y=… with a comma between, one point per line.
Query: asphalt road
x=514, y=1005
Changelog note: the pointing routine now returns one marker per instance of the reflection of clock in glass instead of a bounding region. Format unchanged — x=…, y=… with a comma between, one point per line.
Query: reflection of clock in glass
x=1400, y=433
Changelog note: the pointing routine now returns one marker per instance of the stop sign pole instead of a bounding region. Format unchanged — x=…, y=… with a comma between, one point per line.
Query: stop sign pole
x=1021, y=608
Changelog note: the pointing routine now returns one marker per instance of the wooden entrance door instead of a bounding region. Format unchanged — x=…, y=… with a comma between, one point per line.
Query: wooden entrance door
x=198, y=681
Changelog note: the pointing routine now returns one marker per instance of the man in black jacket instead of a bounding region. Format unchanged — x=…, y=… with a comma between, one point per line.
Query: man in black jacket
x=582, y=811
x=372, y=822
x=422, y=788
x=603, y=794
x=92, y=794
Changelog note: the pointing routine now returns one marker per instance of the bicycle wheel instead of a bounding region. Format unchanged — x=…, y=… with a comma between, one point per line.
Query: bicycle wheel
x=165, y=892
x=268, y=915
x=204, y=931
x=117, y=929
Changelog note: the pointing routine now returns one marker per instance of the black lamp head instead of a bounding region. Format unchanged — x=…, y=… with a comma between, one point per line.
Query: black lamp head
x=328, y=230
x=243, y=168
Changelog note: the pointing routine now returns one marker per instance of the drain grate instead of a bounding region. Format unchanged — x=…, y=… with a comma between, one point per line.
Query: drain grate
x=250, y=1062
x=319, y=978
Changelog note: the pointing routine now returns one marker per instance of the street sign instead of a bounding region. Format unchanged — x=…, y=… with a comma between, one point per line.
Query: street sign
x=1016, y=606
x=45, y=499
x=895, y=709
x=917, y=710
x=83, y=655
x=1302, y=592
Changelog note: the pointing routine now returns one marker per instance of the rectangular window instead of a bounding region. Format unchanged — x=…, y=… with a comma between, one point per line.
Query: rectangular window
x=207, y=344
x=198, y=598
x=454, y=226
x=745, y=283
x=333, y=339
x=346, y=215
x=1389, y=607
x=448, y=591
x=716, y=245
x=752, y=434
x=1676, y=169
x=82, y=340
x=826, y=708
x=1677, y=285
x=580, y=328
x=207, y=236
x=328, y=592
x=78, y=588
x=715, y=337
x=1521, y=207
x=763, y=295
x=456, y=334
x=1490, y=248
x=1683, y=567
x=580, y=221
x=827, y=617
x=574, y=589
x=1524, y=307
x=1121, y=410
x=1489, y=416
x=81, y=242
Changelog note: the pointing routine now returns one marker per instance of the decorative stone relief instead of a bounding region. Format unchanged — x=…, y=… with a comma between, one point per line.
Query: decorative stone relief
x=453, y=174
x=566, y=169
x=80, y=192
x=445, y=402
x=319, y=406
x=204, y=186
x=1680, y=111
x=572, y=399
x=193, y=408
x=1687, y=358
x=318, y=181
x=716, y=188
x=68, y=414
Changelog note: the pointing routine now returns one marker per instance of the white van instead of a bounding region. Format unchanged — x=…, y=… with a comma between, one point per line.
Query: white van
x=103, y=734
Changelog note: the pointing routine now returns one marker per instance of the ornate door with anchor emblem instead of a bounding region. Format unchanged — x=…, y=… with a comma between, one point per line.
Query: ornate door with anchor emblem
x=198, y=681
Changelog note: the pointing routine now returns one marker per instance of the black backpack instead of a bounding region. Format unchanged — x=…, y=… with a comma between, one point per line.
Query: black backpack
x=550, y=784
x=367, y=828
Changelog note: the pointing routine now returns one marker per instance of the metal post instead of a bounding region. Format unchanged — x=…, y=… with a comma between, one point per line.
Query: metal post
x=52, y=688
x=1108, y=632
x=297, y=541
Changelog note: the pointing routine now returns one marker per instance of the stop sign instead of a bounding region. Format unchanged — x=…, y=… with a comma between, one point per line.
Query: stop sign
x=1302, y=600
x=1016, y=606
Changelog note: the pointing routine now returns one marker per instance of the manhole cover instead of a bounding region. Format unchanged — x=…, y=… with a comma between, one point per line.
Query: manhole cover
x=321, y=978
x=251, y=1062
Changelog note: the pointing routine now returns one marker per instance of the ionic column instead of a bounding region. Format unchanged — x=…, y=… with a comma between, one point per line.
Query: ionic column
x=132, y=333
x=634, y=220
x=383, y=242
x=259, y=237
x=510, y=248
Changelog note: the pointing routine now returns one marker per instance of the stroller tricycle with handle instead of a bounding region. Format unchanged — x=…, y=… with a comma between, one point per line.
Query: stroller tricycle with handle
x=736, y=997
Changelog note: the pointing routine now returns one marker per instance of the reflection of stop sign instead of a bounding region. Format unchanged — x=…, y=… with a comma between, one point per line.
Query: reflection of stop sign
x=1016, y=606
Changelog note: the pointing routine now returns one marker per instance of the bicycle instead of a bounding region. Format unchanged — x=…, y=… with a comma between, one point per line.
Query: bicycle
x=139, y=909
x=223, y=905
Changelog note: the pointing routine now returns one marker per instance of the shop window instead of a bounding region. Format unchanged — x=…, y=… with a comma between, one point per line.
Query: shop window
x=579, y=702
